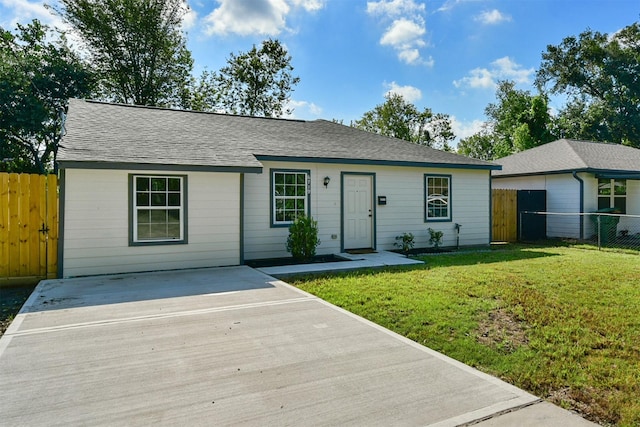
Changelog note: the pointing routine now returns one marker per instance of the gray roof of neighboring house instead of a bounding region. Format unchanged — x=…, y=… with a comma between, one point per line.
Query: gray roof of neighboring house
x=100, y=135
x=568, y=155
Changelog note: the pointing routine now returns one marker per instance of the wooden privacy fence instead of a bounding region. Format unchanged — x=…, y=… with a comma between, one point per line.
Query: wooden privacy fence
x=28, y=226
x=504, y=215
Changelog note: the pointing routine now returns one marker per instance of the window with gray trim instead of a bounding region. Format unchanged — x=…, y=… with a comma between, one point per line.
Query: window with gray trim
x=437, y=197
x=612, y=193
x=158, y=209
x=289, y=198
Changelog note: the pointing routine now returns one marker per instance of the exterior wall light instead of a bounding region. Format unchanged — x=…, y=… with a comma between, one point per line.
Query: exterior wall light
x=326, y=181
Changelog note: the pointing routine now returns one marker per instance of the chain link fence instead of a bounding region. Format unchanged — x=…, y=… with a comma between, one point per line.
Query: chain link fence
x=604, y=230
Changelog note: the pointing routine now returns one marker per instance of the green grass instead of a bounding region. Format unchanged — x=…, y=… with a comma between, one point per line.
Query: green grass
x=560, y=322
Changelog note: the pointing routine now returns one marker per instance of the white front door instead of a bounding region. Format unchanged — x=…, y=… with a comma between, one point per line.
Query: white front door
x=358, y=211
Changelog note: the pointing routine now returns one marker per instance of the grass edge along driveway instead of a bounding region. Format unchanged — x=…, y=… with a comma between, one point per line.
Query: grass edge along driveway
x=560, y=322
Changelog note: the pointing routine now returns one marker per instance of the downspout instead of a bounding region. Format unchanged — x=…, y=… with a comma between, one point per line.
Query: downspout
x=241, y=258
x=575, y=175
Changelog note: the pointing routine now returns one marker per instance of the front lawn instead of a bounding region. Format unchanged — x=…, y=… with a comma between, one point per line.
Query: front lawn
x=560, y=322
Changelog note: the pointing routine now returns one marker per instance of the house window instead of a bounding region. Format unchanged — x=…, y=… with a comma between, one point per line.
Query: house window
x=612, y=193
x=289, y=196
x=437, y=197
x=158, y=209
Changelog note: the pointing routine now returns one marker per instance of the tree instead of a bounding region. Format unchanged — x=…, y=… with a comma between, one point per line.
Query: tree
x=201, y=94
x=601, y=76
x=516, y=122
x=478, y=146
x=400, y=119
x=257, y=83
x=519, y=120
x=38, y=74
x=136, y=46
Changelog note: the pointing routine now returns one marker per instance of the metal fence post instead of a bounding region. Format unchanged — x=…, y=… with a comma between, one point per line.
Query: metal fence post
x=520, y=227
x=598, y=225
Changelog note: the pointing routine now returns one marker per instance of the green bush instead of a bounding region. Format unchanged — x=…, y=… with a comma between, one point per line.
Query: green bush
x=303, y=238
x=435, y=237
x=405, y=242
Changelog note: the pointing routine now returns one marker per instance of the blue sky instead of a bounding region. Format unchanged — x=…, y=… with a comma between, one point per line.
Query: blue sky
x=443, y=54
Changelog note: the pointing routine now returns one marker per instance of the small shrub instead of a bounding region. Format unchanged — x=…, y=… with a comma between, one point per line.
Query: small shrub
x=303, y=238
x=435, y=237
x=405, y=242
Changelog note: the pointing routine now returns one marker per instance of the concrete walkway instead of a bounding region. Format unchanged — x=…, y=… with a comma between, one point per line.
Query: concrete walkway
x=231, y=346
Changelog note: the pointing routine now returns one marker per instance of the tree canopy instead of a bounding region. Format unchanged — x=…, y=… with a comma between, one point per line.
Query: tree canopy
x=38, y=74
x=601, y=75
x=516, y=122
x=256, y=83
x=137, y=47
x=400, y=119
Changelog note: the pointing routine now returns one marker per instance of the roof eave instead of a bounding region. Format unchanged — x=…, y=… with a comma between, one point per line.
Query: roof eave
x=335, y=160
x=568, y=171
x=75, y=164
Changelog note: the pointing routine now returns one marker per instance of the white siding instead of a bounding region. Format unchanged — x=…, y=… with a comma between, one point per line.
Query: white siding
x=633, y=208
x=563, y=196
x=519, y=183
x=404, y=212
x=96, y=227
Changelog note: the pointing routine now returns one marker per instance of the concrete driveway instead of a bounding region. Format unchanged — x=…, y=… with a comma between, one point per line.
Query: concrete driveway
x=231, y=346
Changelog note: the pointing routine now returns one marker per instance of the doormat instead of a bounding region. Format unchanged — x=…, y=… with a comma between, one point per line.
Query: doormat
x=361, y=251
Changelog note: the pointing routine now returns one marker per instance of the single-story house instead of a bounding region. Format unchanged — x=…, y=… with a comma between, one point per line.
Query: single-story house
x=145, y=189
x=579, y=177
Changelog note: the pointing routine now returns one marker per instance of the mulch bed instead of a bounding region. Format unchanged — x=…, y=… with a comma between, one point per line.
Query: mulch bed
x=421, y=251
x=278, y=262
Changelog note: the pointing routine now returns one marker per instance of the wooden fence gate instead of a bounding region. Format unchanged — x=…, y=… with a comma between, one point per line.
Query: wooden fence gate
x=504, y=215
x=28, y=227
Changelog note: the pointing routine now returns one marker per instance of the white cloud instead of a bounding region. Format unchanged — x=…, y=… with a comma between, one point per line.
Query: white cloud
x=403, y=33
x=303, y=109
x=409, y=93
x=464, y=129
x=394, y=7
x=24, y=11
x=450, y=4
x=308, y=5
x=500, y=69
x=508, y=69
x=492, y=17
x=189, y=19
x=246, y=17
x=406, y=29
x=409, y=56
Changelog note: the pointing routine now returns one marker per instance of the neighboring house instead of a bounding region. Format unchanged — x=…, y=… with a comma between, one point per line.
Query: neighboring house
x=146, y=189
x=578, y=177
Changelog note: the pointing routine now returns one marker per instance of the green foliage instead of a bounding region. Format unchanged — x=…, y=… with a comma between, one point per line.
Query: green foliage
x=517, y=121
x=400, y=119
x=200, y=94
x=435, y=237
x=38, y=74
x=405, y=242
x=570, y=332
x=256, y=83
x=137, y=46
x=600, y=74
x=478, y=146
x=303, y=238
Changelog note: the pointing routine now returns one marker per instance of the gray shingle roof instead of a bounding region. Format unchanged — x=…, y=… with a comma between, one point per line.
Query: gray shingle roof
x=567, y=155
x=111, y=133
